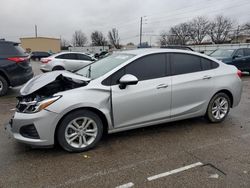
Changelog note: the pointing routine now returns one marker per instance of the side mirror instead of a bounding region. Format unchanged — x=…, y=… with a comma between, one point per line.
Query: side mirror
x=127, y=79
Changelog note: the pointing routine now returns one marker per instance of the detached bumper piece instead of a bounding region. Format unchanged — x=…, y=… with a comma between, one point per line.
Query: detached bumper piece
x=29, y=131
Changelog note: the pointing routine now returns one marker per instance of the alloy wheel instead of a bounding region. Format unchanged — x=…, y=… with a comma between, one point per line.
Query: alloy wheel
x=81, y=132
x=220, y=108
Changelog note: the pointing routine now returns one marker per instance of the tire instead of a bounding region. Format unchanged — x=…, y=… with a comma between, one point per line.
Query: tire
x=57, y=68
x=78, y=140
x=3, y=86
x=218, y=108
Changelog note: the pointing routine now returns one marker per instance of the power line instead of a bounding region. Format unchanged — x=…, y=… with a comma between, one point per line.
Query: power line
x=184, y=14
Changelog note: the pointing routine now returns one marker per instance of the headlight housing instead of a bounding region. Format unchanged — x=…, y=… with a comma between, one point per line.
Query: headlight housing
x=35, y=105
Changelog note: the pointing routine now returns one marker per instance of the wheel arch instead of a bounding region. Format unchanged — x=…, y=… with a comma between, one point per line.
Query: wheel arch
x=2, y=73
x=228, y=93
x=96, y=111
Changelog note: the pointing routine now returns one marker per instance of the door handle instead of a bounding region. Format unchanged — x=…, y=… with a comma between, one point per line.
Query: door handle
x=162, y=86
x=207, y=77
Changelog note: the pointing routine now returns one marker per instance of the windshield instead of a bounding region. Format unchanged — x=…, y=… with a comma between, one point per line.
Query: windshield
x=222, y=53
x=104, y=65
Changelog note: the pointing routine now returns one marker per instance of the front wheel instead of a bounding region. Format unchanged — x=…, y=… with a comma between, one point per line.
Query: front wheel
x=218, y=108
x=80, y=131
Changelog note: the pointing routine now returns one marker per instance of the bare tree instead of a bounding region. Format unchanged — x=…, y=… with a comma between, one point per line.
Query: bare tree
x=64, y=44
x=79, y=39
x=219, y=29
x=130, y=44
x=114, y=39
x=245, y=28
x=179, y=34
x=163, y=39
x=198, y=29
x=173, y=40
x=98, y=39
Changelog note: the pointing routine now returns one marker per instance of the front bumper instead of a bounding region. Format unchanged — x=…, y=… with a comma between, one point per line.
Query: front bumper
x=44, y=122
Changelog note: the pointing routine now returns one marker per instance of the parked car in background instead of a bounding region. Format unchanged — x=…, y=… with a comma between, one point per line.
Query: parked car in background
x=237, y=57
x=15, y=68
x=101, y=55
x=37, y=56
x=70, y=61
x=123, y=91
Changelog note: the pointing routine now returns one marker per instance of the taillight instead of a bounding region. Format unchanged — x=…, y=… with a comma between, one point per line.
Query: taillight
x=18, y=59
x=239, y=73
x=45, y=60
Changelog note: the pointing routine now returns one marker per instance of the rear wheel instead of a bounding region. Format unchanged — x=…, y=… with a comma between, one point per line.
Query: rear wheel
x=218, y=108
x=58, y=68
x=80, y=131
x=3, y=86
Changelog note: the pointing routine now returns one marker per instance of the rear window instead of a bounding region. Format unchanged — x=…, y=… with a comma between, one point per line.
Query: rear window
x=185, y=63
x=208, y=64
x=11, y=49
x=70, y=56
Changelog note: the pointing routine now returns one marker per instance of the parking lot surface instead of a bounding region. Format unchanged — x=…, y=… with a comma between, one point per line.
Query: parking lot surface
x=190, y=153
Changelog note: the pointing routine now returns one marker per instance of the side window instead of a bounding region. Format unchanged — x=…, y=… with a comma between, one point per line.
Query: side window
x=247, y=51
x=148, y=67
x=67, y=56
x=185, y=63
x=60, y=56
x=116, y=76
x=239, y=53
x=83, y=57
x=208, y=64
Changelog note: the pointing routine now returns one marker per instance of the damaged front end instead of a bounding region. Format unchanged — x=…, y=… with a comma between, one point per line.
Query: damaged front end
x=40, y=92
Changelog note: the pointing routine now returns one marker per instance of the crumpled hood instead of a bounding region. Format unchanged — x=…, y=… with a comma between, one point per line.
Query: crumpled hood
x=43, y=79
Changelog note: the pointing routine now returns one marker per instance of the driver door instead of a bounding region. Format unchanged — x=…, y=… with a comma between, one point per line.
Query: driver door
x=147, y=101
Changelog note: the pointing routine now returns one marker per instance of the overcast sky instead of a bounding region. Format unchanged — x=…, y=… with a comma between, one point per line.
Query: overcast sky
x=60, y=18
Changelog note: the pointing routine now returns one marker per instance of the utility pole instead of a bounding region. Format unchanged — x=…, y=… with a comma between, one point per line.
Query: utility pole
x=237, y=34
x=36, y=30
x=140, y=31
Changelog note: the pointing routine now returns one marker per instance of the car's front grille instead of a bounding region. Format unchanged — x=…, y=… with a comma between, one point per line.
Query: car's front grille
x=29, y=131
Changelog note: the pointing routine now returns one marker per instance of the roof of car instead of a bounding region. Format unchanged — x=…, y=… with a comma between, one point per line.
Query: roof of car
x=147, y=51
x=154, y=50
x=70, y=53
x=4, y=41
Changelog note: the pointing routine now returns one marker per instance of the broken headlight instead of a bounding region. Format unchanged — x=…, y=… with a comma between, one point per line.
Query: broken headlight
x=36, y=105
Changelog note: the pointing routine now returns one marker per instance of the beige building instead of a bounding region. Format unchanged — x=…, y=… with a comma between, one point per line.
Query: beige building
x=41, y=44
x=241, y=39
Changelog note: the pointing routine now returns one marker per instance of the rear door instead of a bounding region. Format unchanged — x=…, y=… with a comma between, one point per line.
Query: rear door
x=192, y=84
x=70, y=60
x=147, y=101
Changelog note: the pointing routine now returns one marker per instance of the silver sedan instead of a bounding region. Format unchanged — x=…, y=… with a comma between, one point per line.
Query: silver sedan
x=123, y=91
